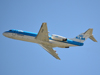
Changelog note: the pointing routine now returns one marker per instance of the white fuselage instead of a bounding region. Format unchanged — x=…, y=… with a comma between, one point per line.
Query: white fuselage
x=27, y=38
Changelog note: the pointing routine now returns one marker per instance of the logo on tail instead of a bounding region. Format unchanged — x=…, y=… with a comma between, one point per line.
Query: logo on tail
x=81, y=37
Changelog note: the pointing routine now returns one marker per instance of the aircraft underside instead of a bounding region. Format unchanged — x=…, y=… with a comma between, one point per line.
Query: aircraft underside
x=52, y=43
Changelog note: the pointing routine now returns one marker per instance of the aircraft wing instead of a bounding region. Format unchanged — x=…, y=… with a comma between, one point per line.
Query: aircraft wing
x=43, y=33
x=50, y=50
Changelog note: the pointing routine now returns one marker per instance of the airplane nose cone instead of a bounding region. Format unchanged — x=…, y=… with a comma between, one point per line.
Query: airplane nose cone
x=5, y=34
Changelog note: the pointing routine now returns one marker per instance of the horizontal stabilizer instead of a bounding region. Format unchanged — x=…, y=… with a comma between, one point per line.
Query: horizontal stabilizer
x=92, y=38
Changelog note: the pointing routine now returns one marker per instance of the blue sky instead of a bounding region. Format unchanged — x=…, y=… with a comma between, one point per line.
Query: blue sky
x=64, y=17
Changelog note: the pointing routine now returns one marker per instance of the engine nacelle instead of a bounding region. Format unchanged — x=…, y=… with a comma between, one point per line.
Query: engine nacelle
x=58, y=38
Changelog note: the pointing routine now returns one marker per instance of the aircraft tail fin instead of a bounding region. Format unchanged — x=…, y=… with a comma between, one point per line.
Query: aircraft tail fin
x=83, y=36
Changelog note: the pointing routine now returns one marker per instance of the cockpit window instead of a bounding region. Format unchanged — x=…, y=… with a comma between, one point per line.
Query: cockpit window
x=10, y=30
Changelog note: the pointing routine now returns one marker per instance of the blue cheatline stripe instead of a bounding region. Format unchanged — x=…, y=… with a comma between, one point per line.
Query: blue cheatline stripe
x=35, y=34
x=70, y=42
x=23, y=33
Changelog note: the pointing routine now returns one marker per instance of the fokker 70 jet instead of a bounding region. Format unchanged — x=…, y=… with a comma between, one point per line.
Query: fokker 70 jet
x=48, y=42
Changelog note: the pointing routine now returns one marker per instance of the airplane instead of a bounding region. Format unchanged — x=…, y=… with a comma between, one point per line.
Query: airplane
x=48, y=42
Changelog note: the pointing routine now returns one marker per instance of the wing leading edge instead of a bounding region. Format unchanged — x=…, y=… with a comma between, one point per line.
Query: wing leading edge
x=50, y=50
x=43, y=36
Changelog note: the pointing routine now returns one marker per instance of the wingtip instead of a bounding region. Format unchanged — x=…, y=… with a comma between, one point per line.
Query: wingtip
x=96, y=41
x=44, y=23
x=59, y=59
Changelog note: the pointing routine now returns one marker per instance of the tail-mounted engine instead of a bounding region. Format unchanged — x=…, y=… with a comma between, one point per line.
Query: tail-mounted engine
x=58, y=38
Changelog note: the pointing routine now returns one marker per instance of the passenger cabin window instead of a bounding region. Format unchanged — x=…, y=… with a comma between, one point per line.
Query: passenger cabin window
x=20, y=31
